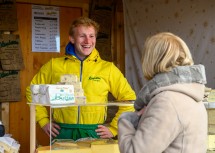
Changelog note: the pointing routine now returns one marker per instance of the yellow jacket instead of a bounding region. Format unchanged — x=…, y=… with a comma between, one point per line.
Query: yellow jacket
x=98, y=77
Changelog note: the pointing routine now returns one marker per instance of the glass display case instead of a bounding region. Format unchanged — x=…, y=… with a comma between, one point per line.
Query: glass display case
x=114, y=144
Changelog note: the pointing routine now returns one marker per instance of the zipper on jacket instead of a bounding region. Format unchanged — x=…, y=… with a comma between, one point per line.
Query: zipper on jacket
x=79, y=111
x=81, y=70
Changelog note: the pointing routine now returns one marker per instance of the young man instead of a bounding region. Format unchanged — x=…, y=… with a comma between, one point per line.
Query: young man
x=98, y=78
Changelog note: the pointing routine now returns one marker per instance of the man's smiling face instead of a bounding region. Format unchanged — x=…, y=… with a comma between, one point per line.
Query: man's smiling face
x=84, y=40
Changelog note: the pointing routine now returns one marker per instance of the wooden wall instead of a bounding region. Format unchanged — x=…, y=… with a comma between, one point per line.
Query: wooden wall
x=19, y=114
x=118, y=47
x=19, y=111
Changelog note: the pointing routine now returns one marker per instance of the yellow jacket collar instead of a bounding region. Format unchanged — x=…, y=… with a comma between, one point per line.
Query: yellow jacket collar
x=94, y=56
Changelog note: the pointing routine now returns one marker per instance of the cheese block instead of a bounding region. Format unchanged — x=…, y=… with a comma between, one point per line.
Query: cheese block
x=46, y=149
x=68, y=78
x=35, y=93
x=105, y=148
x=80, y=100
x=211, y=96
x=66, y=144
x=85, y=146
x=79, y=92
x=211, y=142
x=77, y=85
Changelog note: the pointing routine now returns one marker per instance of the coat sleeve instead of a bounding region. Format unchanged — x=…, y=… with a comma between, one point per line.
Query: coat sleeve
x=42, y=77
x=157, y=128
x=122, y=91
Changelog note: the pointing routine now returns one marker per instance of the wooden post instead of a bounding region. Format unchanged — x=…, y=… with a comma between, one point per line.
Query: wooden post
x=32, y=128
x=5, y=116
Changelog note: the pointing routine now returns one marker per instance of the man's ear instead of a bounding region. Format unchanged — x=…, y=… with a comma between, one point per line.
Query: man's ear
x=71, y=39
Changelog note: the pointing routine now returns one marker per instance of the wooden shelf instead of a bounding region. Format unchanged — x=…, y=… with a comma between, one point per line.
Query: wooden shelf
x=109, y=103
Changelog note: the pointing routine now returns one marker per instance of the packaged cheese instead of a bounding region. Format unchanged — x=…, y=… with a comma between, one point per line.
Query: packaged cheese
x=53, y=94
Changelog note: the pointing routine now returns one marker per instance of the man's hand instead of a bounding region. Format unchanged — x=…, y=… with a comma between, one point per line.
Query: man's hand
x=54, y=129
x=104, y=132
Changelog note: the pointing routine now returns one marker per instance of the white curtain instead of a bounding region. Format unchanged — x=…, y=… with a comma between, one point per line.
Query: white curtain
x=192, y=20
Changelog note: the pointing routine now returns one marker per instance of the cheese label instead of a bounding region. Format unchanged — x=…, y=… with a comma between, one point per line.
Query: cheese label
x=59, y=93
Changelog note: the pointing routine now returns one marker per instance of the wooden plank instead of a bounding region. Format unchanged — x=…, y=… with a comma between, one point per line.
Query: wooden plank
x=5, y=116
x=32, y=129
x=118, y=48
x=60, y=2
x=84, y=4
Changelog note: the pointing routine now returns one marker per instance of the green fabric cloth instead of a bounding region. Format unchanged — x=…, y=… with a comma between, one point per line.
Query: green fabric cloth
x=77, y=131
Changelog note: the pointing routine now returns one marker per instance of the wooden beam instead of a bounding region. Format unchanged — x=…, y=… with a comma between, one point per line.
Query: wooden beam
x=84, y=4
x=32, y=128
x=5, y=116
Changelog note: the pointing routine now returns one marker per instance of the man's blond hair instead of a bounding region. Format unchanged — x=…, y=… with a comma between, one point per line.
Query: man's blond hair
x=162, y=52
x=83, y=21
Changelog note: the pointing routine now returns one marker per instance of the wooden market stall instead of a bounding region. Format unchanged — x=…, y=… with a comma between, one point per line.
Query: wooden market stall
x=16, y=115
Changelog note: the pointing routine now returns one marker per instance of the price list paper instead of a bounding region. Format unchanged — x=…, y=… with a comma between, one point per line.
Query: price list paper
x=45, y=29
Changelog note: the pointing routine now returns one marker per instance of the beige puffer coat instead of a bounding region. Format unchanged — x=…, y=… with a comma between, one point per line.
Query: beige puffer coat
x=174, y=121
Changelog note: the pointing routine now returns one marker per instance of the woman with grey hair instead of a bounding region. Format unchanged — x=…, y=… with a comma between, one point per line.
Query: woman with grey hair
x=170, y=116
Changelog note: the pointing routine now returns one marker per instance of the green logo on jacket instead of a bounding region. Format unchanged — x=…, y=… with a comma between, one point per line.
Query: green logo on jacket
x=94, y=78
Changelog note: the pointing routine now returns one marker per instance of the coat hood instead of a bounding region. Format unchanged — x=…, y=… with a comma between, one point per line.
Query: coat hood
x=189, y=80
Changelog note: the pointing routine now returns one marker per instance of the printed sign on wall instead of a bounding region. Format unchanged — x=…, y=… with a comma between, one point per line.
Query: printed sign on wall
x=9, y=86
x=45, y=29
x=10, y=52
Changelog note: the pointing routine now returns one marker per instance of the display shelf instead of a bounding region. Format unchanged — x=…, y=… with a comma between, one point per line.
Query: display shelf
x=109, y=103
x=51, y=106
